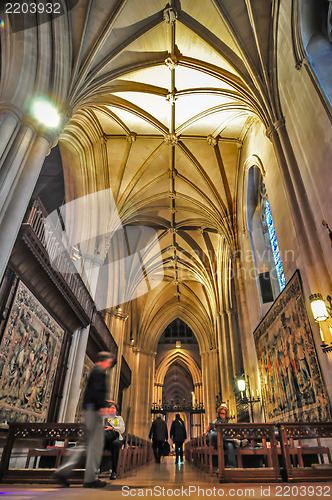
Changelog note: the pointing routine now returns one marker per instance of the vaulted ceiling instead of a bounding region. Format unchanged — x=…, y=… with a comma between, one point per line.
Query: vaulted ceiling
x=171, y=91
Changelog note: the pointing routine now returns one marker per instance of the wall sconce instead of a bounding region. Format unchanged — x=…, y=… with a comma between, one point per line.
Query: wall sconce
x=322, y=312
x=178, y=344
x=132, y=341
x=318, y=307
x=118, y=313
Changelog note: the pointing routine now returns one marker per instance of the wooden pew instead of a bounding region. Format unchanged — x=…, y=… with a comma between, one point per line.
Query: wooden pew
x=136, y=452
x=259, y=433
x=291, y=436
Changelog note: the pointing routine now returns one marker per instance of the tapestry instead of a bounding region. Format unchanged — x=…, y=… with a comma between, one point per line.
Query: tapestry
x=87, y=367
x=291, y=383
x=29, y=354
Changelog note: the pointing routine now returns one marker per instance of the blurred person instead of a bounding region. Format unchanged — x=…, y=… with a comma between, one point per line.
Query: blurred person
x=178, y=435
x=95, y=408
x=159, y=434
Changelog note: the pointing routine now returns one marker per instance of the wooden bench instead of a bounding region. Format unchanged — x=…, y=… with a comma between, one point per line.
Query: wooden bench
x=291, y=436
x=261, y=433
x=136, y=452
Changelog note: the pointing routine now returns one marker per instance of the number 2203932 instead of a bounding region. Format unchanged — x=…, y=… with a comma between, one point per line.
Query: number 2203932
x=303, y=491
x=33, y=8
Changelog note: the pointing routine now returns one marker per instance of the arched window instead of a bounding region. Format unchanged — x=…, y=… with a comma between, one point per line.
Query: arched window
x=274, y=245
x=266, y=257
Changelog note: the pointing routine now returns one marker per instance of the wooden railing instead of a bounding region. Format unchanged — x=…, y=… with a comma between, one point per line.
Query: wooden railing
x=57, y=255
x=45, y=243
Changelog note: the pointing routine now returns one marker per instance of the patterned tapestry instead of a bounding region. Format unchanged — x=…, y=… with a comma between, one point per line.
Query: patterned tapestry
x=291, y=382
x=87, y=367
x=29, y=354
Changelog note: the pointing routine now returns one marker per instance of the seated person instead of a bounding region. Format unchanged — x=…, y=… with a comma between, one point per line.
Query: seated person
x=229, y=444
x=114, y=429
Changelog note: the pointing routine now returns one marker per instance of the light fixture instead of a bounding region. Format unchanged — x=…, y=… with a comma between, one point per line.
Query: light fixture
x=119, y=309
x=248, y=399
x=318, y=307
x=241, y=384
x=45, y=112
x=178, y=344
x=322, y=311
x=132, y=341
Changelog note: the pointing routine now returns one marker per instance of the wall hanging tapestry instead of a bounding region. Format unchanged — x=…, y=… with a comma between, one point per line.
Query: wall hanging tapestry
x=291, y=382
x=29, y=354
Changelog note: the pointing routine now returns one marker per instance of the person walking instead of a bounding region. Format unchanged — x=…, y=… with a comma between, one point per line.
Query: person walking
x=95, y=409
x=178, y=434
x=159, y=434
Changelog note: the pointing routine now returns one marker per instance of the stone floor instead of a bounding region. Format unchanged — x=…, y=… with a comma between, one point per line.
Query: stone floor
x=168, y=480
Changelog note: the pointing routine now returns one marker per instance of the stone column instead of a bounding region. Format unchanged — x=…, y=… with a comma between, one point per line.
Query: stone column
x=311, y=251
x=21, y=161
x=234, y=342
x=247, y=341
x=142, y=392
x=71, y=390
x=210, y=379
x=225, y=358
x=117, y=327
x=9, y=121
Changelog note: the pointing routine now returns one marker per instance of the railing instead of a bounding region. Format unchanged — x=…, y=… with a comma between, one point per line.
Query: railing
x=58, y=257
x=185, y=407
x=55, y=259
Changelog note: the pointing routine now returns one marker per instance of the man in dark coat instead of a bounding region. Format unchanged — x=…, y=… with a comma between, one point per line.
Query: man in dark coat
x=178, y=435
x=95, y=408
x=159, y=435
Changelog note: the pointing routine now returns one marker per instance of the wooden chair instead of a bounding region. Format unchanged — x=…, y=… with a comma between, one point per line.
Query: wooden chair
x=255, y=450
x=52, y=451
x=318, y=450
x=294, y=450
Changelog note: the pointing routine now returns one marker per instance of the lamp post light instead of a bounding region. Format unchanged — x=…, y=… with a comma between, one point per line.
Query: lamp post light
x=247, y=396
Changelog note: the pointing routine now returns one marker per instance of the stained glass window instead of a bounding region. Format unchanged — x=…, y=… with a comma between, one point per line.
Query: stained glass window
x=275, y=247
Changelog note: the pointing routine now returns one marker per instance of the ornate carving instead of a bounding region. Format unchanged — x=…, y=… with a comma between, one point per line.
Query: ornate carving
x=171, y=97
x=171, y=139
x=172, y=173
x=246, y=431
x=170, y=14
x=131, y=138
x=171, y=62
x=212, y=141
x=48, y=431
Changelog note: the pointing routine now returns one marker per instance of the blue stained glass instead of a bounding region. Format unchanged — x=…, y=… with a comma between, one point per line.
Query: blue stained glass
x=275, y=247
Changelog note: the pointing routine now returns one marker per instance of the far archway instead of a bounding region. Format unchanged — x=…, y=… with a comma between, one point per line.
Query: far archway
x=178, y=377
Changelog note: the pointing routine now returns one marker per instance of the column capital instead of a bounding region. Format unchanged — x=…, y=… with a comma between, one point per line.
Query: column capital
x=8, y=107
x=274, y=127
